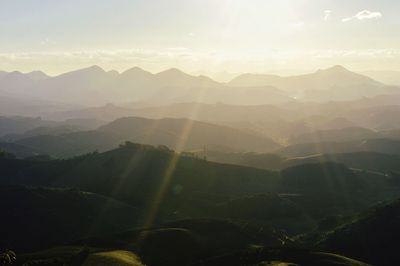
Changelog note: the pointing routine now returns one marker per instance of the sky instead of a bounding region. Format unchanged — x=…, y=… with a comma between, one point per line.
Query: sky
x=200, y=36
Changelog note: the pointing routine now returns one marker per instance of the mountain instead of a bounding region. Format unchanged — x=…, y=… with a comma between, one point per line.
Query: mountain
x=329, y=84
x=325, y=178
x=390, y=77
x=37, y=75
x=334, y=76
x=33, y=75
x=86, y=86
x=107, y=112
x=3, y=74
x=338, y=135
x=379, y=117
x=177, y=134
x=380, y=145
x=175, y=78
x=189, y=134
x=45, y=130
x=16, y=83
x=94, y=86
x=379, y=163
x=371, y=236
x=14, y=105
x=18, y=150
x=219, y=112
x=19, y=125
x=268, y=161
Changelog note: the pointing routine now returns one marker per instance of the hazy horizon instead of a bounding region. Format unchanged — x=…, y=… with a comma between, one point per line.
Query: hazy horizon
x=221, y=76
x=230, y=36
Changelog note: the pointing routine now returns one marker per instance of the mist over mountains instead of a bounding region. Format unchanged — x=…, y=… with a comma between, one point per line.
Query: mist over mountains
x=94, y=86
x=258, y=169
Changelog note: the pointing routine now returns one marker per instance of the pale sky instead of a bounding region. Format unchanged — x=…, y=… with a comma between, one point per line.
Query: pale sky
x=199, y=35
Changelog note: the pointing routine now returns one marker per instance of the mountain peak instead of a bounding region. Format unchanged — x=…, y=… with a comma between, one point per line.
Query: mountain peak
x=95, y=68
x=134, y=70
x=37, y=75
x=172, y=71
x=337, y=68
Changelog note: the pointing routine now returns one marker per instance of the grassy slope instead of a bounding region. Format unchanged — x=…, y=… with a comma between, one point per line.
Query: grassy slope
x=115, y=257
x=261, y=256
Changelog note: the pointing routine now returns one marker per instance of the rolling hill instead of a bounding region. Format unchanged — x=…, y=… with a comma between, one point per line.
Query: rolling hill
x=157, y=187
x=380, y=145
x=373, y=161
x=338, y=135
x=177, y=134
x=135, y=173
x=371, y=236
x=11, y=126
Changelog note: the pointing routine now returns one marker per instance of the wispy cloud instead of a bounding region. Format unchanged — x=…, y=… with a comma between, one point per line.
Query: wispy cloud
x=364, y=14
x=298, y=25
x=327, y=14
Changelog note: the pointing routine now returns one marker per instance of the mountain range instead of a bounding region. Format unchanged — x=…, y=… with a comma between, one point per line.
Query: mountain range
x=177, y=134
x=95, y=86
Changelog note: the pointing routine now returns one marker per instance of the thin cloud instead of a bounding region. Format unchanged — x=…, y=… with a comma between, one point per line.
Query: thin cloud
x=298, y=24
x=365, y=14
x=327, y=14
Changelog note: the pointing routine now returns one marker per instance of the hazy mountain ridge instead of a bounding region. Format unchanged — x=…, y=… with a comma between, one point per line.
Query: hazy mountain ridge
x=177, y=134
x=335, y=83
x=97, y=86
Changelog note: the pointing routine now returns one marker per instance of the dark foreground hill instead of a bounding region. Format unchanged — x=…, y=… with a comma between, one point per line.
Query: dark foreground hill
x=184, y=209
x=161, y=183
x=186, y=242
x=164, y=185
x=41, y=217
x=372, y=236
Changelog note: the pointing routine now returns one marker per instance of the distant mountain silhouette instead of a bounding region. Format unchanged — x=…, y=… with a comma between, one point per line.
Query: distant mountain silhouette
x=329, y=84
x=94, y=86
x=37, y=75
x=390, y=77
x=334, y=76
